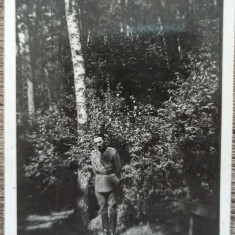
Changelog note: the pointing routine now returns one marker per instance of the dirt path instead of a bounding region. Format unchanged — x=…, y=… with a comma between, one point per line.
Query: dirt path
x=56, y=223
x=61, y=223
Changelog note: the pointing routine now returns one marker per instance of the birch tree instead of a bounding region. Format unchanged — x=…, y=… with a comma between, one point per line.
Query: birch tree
x=24, y=51
x=80, y=90
x=77, y=60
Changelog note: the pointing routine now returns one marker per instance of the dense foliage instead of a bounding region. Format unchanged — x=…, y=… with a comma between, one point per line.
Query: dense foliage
x=152, y=77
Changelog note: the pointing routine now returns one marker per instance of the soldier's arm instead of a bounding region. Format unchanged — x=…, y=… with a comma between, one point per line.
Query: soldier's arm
x=93, y=166
x=117, y=164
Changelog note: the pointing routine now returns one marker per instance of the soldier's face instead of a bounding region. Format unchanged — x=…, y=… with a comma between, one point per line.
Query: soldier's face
x=99, y=142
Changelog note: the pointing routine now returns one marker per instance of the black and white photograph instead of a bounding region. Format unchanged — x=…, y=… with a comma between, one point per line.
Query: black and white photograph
x=118, y=117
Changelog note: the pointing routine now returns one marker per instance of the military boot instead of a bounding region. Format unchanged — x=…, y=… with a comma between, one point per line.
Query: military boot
x=105, y=223
x=112, y=223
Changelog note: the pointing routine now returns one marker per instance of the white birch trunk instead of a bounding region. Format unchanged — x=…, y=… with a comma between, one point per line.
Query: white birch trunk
x=164, y=42
x=81, y=209
x=179, y=48
x=24, y=48
x=46, y=78
x=88, y=37
x=30, y=93
x=82, y=202
x=77, y=59
x=121, y=27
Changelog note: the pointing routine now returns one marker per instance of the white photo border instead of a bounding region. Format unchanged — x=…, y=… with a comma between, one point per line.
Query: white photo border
x=10, y=216
x=10, y=205
x=227, y=116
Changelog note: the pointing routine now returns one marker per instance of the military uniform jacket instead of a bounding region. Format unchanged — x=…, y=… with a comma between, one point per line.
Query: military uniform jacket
x=106, y=168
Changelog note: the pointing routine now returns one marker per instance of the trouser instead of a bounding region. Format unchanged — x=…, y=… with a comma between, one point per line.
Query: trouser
x=108, y=201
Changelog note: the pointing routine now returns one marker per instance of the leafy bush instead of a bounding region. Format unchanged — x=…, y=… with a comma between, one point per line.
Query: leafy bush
x=167, y=153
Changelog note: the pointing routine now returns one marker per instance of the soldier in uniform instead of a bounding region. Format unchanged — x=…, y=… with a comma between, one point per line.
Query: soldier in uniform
x=106, y=167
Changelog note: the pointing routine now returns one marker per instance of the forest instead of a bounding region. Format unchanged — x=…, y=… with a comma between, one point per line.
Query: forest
x=146, y=74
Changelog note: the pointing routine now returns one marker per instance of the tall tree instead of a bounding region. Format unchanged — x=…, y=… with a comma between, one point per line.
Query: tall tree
x=77, y=59
x=80, y=95
x=24, y=50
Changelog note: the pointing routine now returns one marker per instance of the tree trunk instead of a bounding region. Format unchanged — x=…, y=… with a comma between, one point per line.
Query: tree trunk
x=164, y=43
x=30, y=93
x=81, y=207
x=24, y=47
x=82, y=204
x=179, y=47
x=47, y=79
x=77, y=60
x=20, y=107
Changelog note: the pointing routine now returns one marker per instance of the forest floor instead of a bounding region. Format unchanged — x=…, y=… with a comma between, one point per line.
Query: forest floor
x=60, y=223
x=56, y=223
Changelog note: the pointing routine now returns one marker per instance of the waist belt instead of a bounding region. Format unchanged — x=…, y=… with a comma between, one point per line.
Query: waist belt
x=109, y=172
